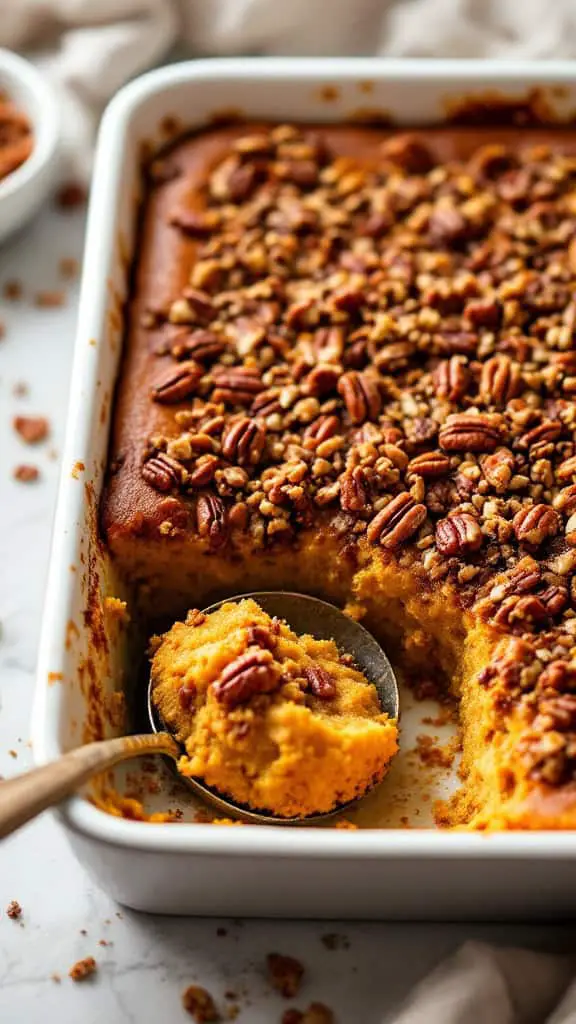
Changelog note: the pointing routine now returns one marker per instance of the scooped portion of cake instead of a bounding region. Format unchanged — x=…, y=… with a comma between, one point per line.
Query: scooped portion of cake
x=278, y=722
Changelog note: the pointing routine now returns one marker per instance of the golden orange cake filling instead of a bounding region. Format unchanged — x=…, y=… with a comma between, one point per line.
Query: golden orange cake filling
x=280, y=723
x=350, y=370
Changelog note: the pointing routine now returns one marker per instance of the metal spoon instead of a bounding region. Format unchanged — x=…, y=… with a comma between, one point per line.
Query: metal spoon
x=25, y=796
x=303, y=614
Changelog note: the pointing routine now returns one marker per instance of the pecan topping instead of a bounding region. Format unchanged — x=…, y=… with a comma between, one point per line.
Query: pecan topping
x=244, y=442
x=261, y=636
x=451, y=378
x=547, y=431
x=162, y=472
x=533, y=525
x=397, y=522
x=500, y=380
x=196, y=223
x=201, y=345
x=354, y=490
x=361, y=396
x=237, y=385
x=251, y=673
x=429, y=465
x=466, y=433
x=498, y=468
x=212, y=520
x=177, y=383
x=319, y=681
x=458, y=534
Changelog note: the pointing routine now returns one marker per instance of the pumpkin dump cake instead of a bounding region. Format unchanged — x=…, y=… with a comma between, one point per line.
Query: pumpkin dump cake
x=278, y=722
x=350, y=370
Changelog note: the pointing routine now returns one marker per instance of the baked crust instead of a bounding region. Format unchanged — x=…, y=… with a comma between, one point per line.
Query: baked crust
x=350, y=369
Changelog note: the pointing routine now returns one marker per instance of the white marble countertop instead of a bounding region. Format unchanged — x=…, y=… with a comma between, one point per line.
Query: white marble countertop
x=146, y=961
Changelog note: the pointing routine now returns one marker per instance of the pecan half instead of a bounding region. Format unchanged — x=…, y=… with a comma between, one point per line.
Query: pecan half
x=361, y=396
x=196, y=223
x=534, y=524
x=451, y=378
x=523, y=611
x=322, y=429
x=459, y=534
x=354, y=490
x=177, y=383
x=162, y=472
x=463, y=432
x=212, y=520
x=500, y=380
x=429, y=465
x=547, y=431
x=320, y=683
x=408, y=152
x=251, y=673
x=397, y=522
x=236, y=385
x=261, y=636
x=244, y=442
x=201, y=345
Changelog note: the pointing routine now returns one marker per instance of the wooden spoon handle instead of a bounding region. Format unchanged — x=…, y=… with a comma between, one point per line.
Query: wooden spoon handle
x=27, y=795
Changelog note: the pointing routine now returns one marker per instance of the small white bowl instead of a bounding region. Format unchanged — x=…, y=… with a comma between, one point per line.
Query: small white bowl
x=24, y=190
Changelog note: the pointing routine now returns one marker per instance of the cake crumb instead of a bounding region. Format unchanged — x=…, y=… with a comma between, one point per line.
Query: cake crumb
x=20, y=389
x=32, y=429
x=285, y=973
x=68, y=268
x=432, y=755
x=13, y=753
x=12, y=290
x=83, y=969
x=56, y=977
x=199, y=1004
x=71, y=195
x=332, y=941
x=26, y=474
x=14, y=910
x=49, y=299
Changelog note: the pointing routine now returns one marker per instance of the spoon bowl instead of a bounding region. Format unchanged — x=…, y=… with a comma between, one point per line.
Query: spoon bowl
x=304, y=614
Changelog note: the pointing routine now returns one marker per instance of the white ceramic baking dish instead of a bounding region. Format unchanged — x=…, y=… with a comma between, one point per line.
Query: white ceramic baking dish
x=196, y=868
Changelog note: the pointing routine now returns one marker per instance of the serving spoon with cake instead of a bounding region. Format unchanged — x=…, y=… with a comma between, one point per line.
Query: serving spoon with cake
x=267, y=723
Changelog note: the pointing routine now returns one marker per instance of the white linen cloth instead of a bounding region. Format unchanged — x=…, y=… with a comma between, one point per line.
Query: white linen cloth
x=89, y=48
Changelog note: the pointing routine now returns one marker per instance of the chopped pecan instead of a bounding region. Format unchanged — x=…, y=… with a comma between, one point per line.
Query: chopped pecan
x=448, y=226
x=523, y=611
x=212, y=520
x=266, y=403
x=329, y=344
x=396, y=522
x=486, y=313
x=500, y=380
x=244, y=442
x=261, y=636
x=463, y=432
x=163, y=472
x=251, y=673
x=200, y=303
x=285, y=973
x=498, y=468
x=321, y=380
x=559, y=675
x=320, y=682
x=456, y=343
x=560, y=711
x=203, y=471
x=567, y=469
x=177, y=383
x=354, y=490
x=236, y=385
x=408, y=152
x=459, y=534
x=534, y=524
x=451, y=378
x=429, y=465
x=197, y=223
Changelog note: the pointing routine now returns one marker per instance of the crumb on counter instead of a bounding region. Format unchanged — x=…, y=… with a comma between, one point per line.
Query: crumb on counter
x=199, y=1004
x=12, y=290
x=83, y=969
x=32, y=429
x=14, y=910
x=285, y=974
x=68, y=268
x=57, y=978
x=50, y=299
x=317, y=1013
x=20, y=389
x=71, y=195
x=26, y=474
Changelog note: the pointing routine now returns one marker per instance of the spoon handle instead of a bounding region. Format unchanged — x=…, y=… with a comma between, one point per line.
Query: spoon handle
x=27, y=795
